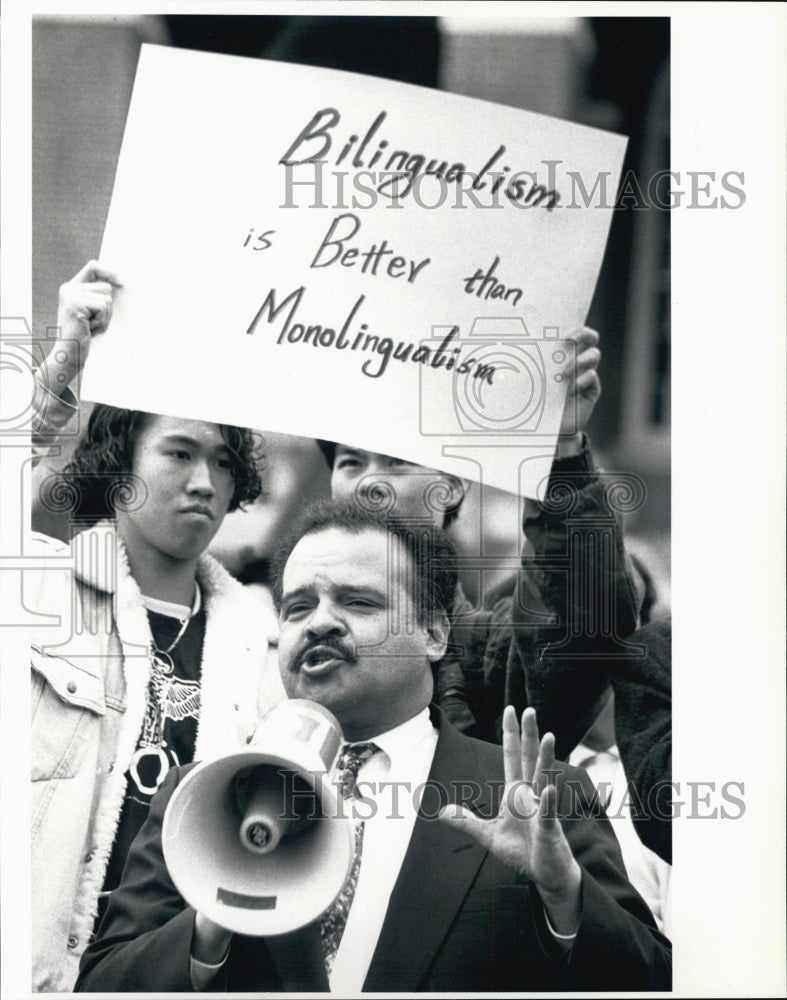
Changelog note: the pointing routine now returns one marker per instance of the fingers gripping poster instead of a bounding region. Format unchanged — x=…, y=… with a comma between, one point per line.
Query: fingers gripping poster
x=331, y=255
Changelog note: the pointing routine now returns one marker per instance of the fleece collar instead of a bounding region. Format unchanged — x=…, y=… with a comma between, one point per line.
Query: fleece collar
x=239, y=630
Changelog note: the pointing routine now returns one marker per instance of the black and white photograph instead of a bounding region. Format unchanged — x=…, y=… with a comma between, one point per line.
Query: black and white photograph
x=381, y=382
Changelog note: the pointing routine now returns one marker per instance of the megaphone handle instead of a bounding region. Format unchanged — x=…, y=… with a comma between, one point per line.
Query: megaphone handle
x=210, y=942
x=298, y=958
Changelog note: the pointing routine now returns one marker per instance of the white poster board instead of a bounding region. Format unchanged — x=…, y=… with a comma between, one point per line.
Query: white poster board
x=331, y=255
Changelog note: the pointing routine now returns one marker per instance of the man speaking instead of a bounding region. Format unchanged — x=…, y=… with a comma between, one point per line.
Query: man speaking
x=500, y=874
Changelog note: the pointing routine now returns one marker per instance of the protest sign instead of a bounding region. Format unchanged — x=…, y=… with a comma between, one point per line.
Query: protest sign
x=338, y=256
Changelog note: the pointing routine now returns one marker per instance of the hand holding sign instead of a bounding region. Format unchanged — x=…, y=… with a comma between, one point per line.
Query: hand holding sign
x=84, y=310
x=583, y=390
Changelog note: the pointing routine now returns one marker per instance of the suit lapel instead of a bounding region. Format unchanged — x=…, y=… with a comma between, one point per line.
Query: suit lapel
x=424, y=902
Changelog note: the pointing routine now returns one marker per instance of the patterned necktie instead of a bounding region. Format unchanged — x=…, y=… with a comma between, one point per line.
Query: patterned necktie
x=332, y=922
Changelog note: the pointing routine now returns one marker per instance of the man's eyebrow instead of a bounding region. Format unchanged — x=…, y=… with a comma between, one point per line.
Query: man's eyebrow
x=339, y=590
x=361, y=590
x=192, y=442
x=290, y=595
x=180, y=439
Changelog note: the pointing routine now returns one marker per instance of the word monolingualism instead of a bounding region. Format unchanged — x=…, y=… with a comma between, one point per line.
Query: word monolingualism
x=319, y=335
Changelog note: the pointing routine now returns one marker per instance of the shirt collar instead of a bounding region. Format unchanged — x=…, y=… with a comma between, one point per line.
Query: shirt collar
x=172, y=610
x=582, y=754
x=398, y=743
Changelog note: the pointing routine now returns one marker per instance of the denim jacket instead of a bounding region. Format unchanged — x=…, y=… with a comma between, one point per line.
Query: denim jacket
x=90, y=672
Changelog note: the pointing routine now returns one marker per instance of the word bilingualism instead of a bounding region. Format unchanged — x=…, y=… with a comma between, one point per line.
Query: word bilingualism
x=398, y=170
x=445, y=355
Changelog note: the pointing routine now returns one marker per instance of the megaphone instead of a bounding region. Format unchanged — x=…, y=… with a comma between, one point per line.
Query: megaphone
x=256, y=840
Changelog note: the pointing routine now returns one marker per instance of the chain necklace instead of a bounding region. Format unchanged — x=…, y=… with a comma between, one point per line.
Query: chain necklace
x=183, y=626
x=163, y=669
x=184, y=622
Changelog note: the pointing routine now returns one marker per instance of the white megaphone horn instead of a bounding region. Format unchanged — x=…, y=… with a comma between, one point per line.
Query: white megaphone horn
x=256, y=841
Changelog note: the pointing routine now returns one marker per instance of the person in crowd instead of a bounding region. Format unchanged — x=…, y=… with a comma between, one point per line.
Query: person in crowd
x=148, y=653
x=641, y=682
x=480, y=674
x=599, y=754
x=503, y=876
x=569, y=689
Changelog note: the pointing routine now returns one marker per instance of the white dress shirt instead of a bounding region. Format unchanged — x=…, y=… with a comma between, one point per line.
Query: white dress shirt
x=406, y=759
x=648, y=873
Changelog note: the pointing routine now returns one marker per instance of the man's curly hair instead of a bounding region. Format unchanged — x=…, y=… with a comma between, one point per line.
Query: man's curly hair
x=99, y=479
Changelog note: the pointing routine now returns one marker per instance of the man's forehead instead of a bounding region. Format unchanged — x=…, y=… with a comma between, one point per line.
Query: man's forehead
x=338, y=557
x=344, y=448
x=198, y=431
x=379, y=456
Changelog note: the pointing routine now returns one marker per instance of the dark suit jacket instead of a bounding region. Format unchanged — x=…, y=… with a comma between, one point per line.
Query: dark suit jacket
x=458, y=919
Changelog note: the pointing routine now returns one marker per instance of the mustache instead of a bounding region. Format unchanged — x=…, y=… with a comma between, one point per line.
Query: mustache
x=341, y=649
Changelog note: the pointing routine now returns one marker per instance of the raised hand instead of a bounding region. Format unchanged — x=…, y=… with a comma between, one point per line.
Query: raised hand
x=526, y=835
x=84, y=309
x=582, y=392
x=85, y=303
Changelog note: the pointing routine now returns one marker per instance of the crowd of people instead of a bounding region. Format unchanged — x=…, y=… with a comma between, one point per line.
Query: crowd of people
x=545, y=880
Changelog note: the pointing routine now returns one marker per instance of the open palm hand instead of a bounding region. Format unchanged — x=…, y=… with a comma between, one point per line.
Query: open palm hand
x=526, y=835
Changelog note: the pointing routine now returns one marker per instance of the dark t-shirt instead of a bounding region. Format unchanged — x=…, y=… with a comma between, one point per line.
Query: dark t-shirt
x=169, y=730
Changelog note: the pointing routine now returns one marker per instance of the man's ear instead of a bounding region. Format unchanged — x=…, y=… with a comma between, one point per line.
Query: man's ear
x=437, y=636
x=456, y=488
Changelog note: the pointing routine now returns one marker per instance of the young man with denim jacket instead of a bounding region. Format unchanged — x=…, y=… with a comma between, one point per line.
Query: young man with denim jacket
x=148, y=654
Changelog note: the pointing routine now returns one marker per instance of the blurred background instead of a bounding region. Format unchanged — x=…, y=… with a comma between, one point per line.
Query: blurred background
x=611, y=73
